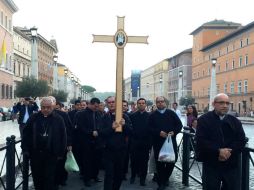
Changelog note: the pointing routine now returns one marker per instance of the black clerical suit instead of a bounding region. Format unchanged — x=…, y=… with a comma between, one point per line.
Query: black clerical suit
x=62, y=174
x=166, y=121
x=88, y=121
x=212, y=134
x=115, y=149
x=140, y=145
x=44, y=140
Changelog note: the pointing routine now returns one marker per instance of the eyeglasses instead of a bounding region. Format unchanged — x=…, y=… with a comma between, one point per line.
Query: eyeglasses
x=111, y=102
x=223, y=103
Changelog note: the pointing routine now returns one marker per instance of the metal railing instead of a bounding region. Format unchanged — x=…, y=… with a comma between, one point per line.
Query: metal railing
x=17, y=166
x=188, y=163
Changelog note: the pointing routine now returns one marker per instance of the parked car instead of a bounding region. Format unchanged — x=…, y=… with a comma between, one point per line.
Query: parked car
x=233, y=112
x=5, y=114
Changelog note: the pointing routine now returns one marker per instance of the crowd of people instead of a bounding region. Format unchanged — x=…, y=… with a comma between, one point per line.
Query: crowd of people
x=89, y=130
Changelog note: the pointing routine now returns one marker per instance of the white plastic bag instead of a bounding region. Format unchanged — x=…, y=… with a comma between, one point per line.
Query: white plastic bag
x=70, y=163
x=167, y=153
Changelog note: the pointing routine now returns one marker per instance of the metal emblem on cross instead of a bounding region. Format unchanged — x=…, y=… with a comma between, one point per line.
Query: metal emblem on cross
x=120, y=39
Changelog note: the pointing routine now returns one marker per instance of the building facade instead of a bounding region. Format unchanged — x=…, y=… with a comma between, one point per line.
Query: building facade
x=7, y=9
x=21, y=56
x=180, y=76
x=232, y=45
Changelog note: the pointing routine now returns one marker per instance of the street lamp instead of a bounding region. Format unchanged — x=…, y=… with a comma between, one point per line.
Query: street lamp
x=55, y=75
x=180, y=85
x=161, y=86
x=213, y=87
x=34, y=56
x=138, y=92
x=65, y=79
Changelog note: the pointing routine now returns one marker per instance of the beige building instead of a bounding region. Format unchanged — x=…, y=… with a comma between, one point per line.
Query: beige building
x=180, y=73
x=127, y=89
x=232, y=45
x=21, y=56
x=7, y=9
x=147, y=84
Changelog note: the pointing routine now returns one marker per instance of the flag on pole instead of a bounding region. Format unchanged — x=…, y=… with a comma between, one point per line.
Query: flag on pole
x=3, y=53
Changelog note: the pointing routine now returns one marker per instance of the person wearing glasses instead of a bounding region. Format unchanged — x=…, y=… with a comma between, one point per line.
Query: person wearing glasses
x=220, y=139
x=115, y=145
x=163, y=123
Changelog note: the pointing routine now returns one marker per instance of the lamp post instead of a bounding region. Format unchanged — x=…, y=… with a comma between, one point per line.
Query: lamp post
x=55, y=74
x=161, y=86
x=138, y=92
x=213, y=87
x=180, y=85
x=65, y=79
x=34, y=56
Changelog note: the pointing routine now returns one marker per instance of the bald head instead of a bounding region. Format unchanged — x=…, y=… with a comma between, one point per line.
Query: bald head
x=221, y=104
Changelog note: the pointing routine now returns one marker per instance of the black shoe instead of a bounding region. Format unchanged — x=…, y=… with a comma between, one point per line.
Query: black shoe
x=132, y=180
x=142, y=183
x=87, y=183
x=97, y=179
x=162, y=187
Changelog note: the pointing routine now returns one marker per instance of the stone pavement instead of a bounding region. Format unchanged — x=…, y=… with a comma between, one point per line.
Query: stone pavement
x=75, y=183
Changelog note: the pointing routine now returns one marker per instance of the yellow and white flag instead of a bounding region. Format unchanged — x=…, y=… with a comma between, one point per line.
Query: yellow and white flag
x=3, y=53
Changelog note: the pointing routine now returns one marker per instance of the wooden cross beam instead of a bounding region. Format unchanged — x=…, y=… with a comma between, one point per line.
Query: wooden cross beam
x=120, y=39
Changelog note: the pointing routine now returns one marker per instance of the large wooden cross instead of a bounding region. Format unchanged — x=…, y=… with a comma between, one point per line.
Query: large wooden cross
x=120, y=39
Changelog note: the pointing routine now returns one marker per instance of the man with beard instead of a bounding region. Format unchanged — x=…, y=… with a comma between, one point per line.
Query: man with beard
x=44, y=141
x=163, y=122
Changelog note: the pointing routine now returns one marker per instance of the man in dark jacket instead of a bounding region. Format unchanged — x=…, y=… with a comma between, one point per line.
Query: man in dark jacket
x=163, y=122
x=88, y=124
x=220, y=140
x=140, y=142
x=115, y=146
x=26, y=107
x=44, y=141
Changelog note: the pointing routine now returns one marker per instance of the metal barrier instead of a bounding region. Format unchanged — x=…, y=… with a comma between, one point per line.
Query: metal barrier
x=186, y=145
x=13, y=169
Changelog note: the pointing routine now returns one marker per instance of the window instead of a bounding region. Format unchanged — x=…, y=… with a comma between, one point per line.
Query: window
x=3, y=91
x=208, y=72
x=232, y=88
x=225, y=88
x=208, y=92
x=247, y=41
x=2, y=18
x=226, y=67
x=203, y=73
x=11, y=92
x=10, y=25
x=246, y=59
x=5, y=22
x=241, y=43
x=239, y=87
x=218, y=69
x=245, y=86
x=233, y=64
x=240, y=61
x=7, y=91
x=227, y=49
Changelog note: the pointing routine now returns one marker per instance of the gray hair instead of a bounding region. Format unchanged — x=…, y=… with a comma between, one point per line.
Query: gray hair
x=46, y=99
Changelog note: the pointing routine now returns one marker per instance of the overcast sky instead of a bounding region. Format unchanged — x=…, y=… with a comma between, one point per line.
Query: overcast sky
x=167, y=22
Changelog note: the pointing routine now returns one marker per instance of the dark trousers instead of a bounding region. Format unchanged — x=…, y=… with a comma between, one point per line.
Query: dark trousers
x=77, y=150
x=91, y=161
x=164, y=171
x=61, y=173
x=21, y=128
x=43, y=166
x=214, y=177
x=139, y=162
x=114, y=163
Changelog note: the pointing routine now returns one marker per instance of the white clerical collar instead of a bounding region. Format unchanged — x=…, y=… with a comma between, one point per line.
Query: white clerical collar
x=161, y=111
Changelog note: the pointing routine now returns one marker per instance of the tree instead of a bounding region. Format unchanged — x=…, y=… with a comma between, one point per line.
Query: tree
x=187, y=100
x=31, y=87
x=88, y=89
x=60, y=95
